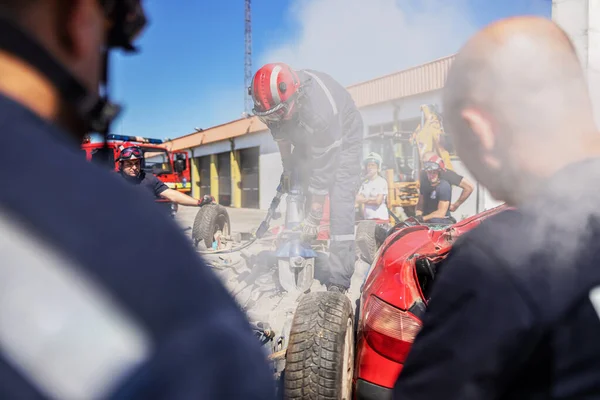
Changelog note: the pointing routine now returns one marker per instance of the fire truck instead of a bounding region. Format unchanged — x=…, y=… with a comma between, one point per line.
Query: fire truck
x=171, y=167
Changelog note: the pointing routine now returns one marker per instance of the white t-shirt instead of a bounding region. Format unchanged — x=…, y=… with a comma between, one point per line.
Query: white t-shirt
x=371, y=189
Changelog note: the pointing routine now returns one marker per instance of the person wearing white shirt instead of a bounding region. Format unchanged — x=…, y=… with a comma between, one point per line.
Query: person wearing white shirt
x=373, y=192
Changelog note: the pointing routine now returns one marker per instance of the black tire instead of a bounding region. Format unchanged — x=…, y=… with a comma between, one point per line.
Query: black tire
x=210, y=219
x=366, y=243
x=320, y=353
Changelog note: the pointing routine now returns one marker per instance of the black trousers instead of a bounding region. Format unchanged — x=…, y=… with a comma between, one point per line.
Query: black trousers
x=342, y=198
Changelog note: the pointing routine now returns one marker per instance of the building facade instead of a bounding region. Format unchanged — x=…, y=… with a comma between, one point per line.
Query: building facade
x=239, y=163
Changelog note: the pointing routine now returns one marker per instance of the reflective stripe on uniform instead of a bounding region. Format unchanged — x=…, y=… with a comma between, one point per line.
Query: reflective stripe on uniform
x=343, y=238
x=306, y=127
x=327, y=92
x=60, y=330
x=595, y=299
x=320, y=151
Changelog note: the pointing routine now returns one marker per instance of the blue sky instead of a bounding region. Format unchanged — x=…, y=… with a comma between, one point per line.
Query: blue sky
x=190, y=71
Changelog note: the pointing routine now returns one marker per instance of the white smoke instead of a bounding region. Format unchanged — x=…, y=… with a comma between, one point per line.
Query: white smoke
x=357, y=40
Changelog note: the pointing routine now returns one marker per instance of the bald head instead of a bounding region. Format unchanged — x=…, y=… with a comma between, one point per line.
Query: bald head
x=515, y=96
x=515, y=63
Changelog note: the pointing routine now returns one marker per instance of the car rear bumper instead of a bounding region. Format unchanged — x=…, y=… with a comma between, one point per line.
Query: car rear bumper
x=369, y=391
x=372, y=367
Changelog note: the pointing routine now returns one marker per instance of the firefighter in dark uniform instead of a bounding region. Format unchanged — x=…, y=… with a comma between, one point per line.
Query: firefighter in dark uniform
x=101, y=297
x=316, y=115
x=130, y=168
x=515, y=308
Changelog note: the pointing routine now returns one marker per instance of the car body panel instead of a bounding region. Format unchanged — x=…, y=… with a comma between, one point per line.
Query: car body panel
x=393, y=279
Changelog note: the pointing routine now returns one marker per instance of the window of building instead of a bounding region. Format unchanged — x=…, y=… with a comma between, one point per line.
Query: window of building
x=381, y=128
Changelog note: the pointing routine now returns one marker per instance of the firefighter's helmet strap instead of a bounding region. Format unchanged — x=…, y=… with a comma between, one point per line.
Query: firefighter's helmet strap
x=95, y=111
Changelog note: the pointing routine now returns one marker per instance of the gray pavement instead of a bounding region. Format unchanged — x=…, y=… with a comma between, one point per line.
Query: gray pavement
x=242, y=219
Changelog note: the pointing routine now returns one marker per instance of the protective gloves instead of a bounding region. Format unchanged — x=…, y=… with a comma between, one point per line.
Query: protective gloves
x=206, y=199
x=310, y=225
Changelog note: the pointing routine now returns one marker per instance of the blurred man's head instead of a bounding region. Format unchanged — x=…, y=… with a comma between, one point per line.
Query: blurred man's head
x=517, y=104
x=75, y=33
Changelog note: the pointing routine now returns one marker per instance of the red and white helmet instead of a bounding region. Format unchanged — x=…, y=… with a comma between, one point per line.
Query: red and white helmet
x=434, y=163
x=129, y=151
x=274, y=90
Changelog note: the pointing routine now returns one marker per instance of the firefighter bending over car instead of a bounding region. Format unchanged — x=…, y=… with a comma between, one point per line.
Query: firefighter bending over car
x=436, y=194
x=130, y=168
x=316, y=115
x=374, y=190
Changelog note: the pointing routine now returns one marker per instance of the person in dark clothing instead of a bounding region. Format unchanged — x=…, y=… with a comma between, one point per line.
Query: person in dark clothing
x=130, y=168
x=515, y=310
x=150, y=183
x=317, y=115
x=435, y=196
x=131, y=171
x=453, y=179
x=101, y=297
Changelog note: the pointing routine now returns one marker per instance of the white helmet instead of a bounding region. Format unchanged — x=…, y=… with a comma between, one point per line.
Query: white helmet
x=375, y=158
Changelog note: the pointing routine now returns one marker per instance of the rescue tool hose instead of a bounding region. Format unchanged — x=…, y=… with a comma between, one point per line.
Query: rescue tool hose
x=262, y=229
x=232, y=250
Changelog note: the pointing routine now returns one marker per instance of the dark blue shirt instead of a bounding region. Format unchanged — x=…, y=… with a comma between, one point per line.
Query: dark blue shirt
x=447, y=175
x=166, y=327
x=432, y=195
x=148, y=182
x=515, y=309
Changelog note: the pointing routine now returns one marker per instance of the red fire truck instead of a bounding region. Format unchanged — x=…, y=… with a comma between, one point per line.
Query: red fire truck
x=171, y=167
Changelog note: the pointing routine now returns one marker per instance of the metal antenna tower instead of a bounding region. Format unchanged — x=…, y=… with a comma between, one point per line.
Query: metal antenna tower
x=248, y=104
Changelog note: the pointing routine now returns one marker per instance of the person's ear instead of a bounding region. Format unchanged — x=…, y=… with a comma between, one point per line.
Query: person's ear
x=85, y=27
x=483, y=131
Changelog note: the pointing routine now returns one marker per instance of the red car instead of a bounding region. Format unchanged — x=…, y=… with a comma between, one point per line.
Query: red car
x=394, y=299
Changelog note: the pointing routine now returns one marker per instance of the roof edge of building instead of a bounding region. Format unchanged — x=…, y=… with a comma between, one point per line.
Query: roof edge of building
x=368, y=97
x=451, y=56
x=218, y=133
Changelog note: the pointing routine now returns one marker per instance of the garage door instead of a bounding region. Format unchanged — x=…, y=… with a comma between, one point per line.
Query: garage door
x=203, y=164
x=224, y=170
x=249, y=171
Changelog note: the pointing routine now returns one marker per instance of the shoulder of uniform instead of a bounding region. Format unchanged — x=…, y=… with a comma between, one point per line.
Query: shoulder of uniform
x=502, y=237
x=303, y=75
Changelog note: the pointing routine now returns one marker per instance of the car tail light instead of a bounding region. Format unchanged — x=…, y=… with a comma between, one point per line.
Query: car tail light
x=389, y=330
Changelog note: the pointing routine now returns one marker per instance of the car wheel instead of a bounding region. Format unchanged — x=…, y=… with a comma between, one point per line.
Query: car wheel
x=366, y=244
x=320, y=353
x=210, y=219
